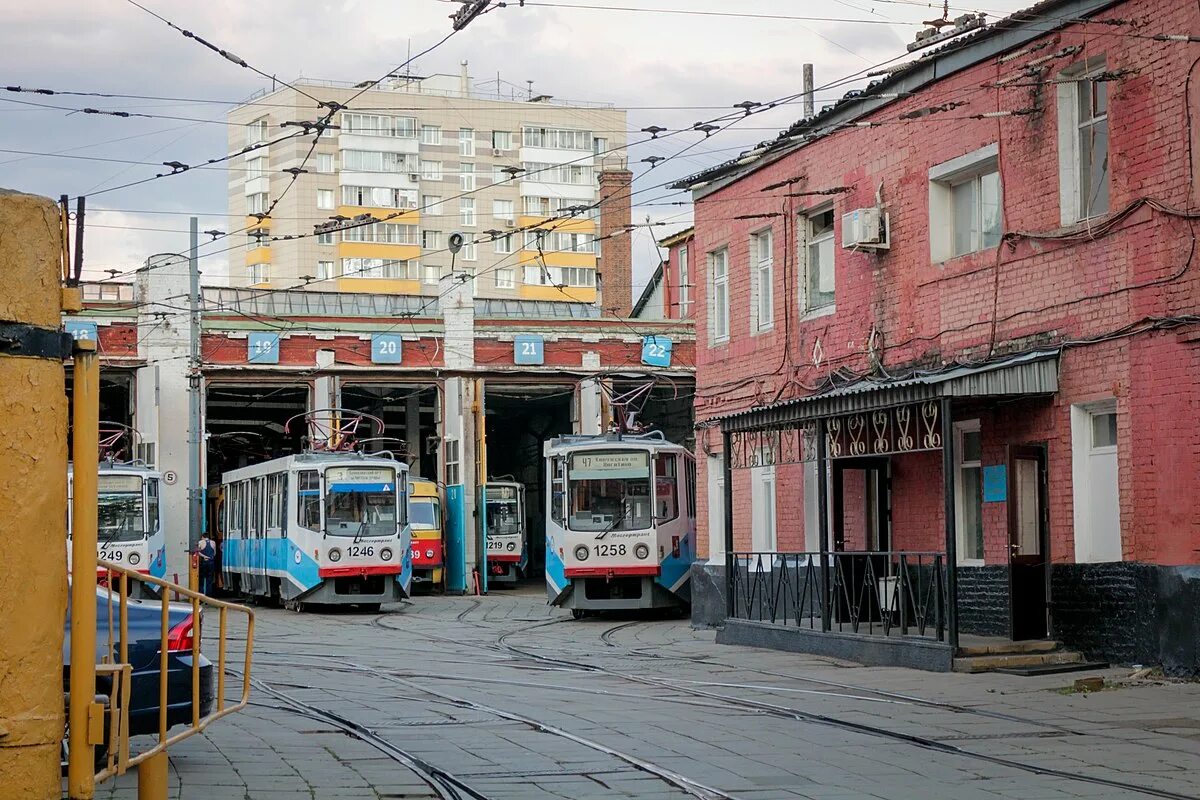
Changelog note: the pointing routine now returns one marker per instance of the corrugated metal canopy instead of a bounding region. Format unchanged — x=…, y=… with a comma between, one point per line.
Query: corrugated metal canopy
x=1033, y=373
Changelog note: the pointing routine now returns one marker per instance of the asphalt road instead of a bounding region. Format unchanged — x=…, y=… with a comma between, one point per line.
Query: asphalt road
x=503, y=697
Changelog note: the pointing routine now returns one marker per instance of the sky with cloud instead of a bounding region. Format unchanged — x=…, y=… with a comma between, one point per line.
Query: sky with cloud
x=669, y=69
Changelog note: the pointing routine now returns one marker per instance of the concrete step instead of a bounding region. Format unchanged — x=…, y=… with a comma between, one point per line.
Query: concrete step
x=989, y=663
x=1004, y=646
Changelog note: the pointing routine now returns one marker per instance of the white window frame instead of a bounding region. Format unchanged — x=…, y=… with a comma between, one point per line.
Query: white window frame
x=762, y=281
x=466, y=212
x=325, y=163
x=466, y=142
x=1073, y=81
x=466, y=177
x=431, y=240
x=685, y=289
x=960, y=428
x=431, y=274
x=1088, y=546
x=325, y=270
x=432, y=205
x=498, y=210
x=470, y=251
x=431, y=170
x=326, y=200
x=503, y=245
x=505, y=278
x=325, y=238
x=431, y=134
x=942, y=180
x=808, y=310
x=502, y=140
x=257, y=203
x=764, y=515
x=256, y=132
x=259, y=274
x=718, y=324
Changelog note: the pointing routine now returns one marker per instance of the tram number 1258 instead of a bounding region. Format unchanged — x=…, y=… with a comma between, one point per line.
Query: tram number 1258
x=610, y=550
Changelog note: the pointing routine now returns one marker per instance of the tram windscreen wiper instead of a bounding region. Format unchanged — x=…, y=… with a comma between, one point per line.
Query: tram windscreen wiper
x=614, y=524
x=362, y=528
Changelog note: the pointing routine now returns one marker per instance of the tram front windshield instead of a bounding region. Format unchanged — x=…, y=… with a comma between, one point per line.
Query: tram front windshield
x=360, y=502
x=120, y=513
x=425, y=513
x=503, y=514
x=609, y=490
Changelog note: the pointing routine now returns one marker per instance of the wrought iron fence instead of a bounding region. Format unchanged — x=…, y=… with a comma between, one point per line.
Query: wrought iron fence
x=873, y=592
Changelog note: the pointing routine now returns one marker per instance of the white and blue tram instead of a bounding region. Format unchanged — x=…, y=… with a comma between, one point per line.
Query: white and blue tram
x=620, y=522
x=318, y=528
x=128, y=516
x=504, y=511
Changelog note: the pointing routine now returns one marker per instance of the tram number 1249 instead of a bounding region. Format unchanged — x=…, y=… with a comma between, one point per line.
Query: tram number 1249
x=111, y=555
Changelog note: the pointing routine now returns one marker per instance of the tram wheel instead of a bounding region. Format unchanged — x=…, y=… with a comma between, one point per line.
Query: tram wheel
x=293, y=605
x=578, y=613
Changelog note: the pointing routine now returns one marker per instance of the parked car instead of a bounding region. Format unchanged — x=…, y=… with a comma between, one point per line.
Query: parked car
x=145, y=621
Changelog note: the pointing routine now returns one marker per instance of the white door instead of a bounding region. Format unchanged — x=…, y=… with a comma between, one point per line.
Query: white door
x=763, y=511
x=716, y=509
x=1096, y=493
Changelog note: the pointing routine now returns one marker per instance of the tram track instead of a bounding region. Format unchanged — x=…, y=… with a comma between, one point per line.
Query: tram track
x=855, y=727
x=446, y=785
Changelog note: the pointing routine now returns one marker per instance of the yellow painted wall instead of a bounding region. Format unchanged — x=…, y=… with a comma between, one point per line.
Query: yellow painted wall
x=254, y=223
x=378, y=285
x=558, y=259
x=567, y=293
x=581, y=225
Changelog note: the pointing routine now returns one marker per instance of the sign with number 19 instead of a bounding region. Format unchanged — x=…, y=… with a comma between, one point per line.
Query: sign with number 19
x=262, y=348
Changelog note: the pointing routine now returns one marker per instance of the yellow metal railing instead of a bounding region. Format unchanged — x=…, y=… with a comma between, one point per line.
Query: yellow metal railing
x=118, y=759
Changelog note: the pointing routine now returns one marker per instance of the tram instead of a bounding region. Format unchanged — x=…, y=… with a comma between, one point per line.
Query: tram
x=507, y=553
x=129, y=516
x=428, y=546
x=620, y=522
x=326, y=526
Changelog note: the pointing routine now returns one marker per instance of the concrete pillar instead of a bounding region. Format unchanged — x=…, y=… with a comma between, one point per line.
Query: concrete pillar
x=458, y=318
x=33, y=502
x=590, y=420
x=412, y=431
x=164, y=341
x=324, y=393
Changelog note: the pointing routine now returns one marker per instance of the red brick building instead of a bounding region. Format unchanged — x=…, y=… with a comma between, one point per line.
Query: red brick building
x=669, y=293
x=965, y=301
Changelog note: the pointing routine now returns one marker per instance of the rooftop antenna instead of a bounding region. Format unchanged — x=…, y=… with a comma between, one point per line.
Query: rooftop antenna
x=530, y=83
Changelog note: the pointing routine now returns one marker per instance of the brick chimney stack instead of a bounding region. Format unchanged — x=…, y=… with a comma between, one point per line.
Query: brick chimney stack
x=615, y=263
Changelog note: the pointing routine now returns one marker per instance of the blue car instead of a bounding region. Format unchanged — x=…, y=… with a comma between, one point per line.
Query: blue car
x=145, y=621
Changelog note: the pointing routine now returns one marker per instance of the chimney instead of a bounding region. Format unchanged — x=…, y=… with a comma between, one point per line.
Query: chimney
x=464, y=80
x=808, y=91
x=615, y=265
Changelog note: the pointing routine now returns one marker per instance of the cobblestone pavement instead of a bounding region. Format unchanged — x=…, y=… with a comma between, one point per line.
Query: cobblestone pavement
x=517, y=700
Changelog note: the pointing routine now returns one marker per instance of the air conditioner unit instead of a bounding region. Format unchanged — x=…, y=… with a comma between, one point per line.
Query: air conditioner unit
x=865, y=229
x=412, y=176
x=509, y=223
x=496, y=152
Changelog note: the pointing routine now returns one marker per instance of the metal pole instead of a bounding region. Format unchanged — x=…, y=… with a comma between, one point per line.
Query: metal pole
x=730, y=561
x=809, y=106
x=823, y=522
x=948, y=512
x=85, y=447
x=195, y=433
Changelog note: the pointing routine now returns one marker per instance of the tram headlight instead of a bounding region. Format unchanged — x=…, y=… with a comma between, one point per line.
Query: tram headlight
x=135, y=559
x=512, y=546
x=386, y=554
x=641, y=551
x=335, y=554
x=429, y=553
x=582, y=553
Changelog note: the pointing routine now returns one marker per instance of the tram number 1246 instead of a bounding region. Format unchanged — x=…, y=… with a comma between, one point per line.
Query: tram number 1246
x=365, y=551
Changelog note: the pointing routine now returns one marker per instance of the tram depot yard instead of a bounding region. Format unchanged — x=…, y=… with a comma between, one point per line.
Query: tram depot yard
x=514, y=699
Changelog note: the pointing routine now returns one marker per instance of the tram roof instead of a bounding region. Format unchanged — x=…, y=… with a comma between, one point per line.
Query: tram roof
x=610, y=441
x=125, y=467
x=310, y=460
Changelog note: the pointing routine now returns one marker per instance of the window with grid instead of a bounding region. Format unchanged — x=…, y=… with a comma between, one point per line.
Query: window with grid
x=685, y=283
x=505, y=279
x=431, y=205
x=376, y=268
x=256, y=132
x=257, y=203
x=431, y=240
x=762, y=291
x=968, y=462
x=466, y=177
x=325, y=270
x=504, y=244
x=1088, y=113
x=325, y=199
x=325, y=162
x=504, y=209
x=470, y=252
x=818, y=288
x=259, y=273
x=431, y=170
x=502, y=140
x=431, y=134
x=466, y=211
x=466, y=141
x=718, y=295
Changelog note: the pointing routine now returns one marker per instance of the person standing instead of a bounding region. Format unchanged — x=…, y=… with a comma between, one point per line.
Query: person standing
x=206, y=549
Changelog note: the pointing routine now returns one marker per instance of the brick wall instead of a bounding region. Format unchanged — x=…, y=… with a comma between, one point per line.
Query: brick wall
x=1036, y=291
x=616, y=259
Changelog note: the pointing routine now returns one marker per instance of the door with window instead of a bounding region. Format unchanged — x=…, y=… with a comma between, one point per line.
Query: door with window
x=762, y=498
x=862, y=521
x=1028, y=542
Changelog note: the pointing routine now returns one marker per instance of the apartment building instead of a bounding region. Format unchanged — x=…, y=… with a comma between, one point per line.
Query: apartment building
x=425, y=156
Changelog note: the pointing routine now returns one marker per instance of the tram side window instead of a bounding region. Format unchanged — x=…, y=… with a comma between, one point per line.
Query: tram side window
x=152, y=505
x=256, y=493
x=308, y=502
x=690, y=467
x=666, y=488
x=275, y=501
x=557, y=491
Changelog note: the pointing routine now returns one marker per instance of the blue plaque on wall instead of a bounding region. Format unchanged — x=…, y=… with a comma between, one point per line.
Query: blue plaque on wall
x=995, y=484
x=528, y=349
x=656, y=351
x=386, y=348
x=262, y=348
x=80, y=330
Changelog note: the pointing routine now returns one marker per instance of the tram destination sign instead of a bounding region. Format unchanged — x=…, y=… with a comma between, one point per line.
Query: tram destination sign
x=610, y=465
x=360, y=475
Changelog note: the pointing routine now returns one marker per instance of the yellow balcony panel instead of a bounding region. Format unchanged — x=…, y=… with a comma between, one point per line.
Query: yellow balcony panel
x=395, y=252
x=259, y=255
x=378, y=286
x=578, y=294
x=253, y=223
x=577, y=225
x=403, y=216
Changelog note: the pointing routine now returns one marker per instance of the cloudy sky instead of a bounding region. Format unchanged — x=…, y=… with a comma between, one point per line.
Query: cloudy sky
x=669, y=69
